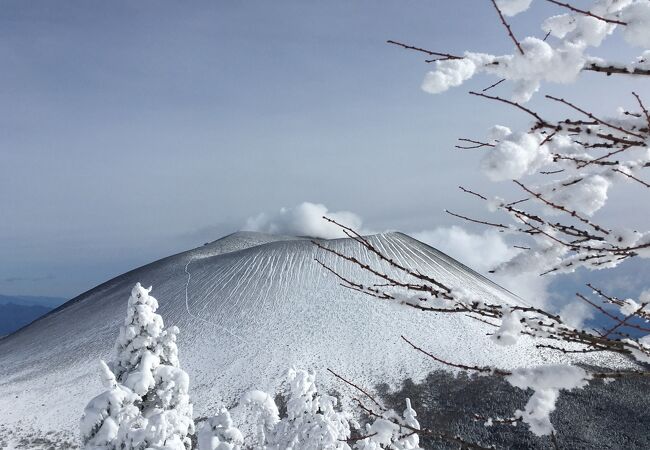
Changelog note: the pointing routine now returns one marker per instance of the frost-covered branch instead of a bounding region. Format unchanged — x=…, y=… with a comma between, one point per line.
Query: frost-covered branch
x=390, y=430
x=536, y=60
x=565, y=167
x=507, y=26
x=513, y=322
x=586, y=13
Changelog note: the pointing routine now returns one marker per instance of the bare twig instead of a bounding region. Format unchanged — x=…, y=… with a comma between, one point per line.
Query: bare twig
x=494, y=85
x=490, y=370
x=468, y=191
x=618, y=70
x=643, y=108
x=564, y=209
x=516, y=105
x=363, y=391
x=591, y=116
x=442, y=56
x=479, y=144
x=586, y=13
x=505, y=24
x=469, y=219
x=632, y=177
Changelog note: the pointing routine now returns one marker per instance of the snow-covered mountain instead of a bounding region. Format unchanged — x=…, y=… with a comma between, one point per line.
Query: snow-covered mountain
x=249, y=306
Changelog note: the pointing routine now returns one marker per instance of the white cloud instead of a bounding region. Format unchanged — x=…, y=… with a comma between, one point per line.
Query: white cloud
x=576, y=313
x=530, y=286
x=483, y=252
x=305, y=219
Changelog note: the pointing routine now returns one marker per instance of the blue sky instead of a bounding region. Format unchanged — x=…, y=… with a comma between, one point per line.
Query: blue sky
x=133, y=130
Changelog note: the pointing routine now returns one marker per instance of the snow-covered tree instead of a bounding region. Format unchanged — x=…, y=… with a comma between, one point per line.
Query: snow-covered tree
x=262, y=416
x=146, y=404
x=143, y=332
x=311, y=422
x=219, y=433
x=562, y=169
x=107, y=418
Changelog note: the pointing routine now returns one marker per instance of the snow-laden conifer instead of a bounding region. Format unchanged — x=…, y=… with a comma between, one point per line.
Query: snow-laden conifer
x=262, y=415
x=146, y=405
x=311, y=422
x=108, y=417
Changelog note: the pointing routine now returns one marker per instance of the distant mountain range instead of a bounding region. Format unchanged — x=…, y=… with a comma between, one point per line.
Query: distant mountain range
x=16, y=311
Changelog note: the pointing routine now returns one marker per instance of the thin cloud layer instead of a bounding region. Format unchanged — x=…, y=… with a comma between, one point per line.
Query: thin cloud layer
x=305, y=219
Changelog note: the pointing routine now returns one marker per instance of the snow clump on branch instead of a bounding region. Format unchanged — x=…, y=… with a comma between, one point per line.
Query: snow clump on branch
x=513, y=7
x=538, y=60
x=515, y=155
x=546, y=382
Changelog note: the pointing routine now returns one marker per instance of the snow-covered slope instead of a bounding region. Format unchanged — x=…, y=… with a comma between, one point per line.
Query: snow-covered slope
x=248, y=306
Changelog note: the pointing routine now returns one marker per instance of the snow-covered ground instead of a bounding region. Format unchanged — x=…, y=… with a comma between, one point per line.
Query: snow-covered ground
x=249, y=306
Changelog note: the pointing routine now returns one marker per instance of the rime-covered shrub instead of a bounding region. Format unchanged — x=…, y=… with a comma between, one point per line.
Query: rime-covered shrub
x=219, y=433
x=311, y=422
x=392, y=431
